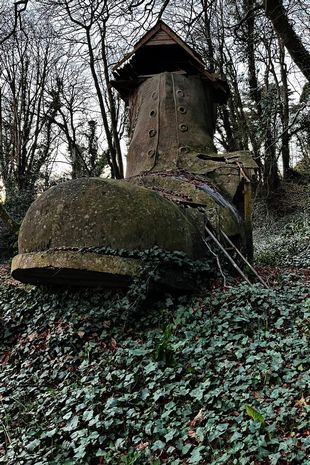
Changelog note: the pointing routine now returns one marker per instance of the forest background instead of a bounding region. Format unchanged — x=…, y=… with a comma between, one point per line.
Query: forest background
x=60, y=118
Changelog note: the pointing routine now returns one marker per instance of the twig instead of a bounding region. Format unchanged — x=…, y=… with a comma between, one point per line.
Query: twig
x=244, y=19
x=162, y=10
x=17, y=13
x=287, y=128
x=6, y=433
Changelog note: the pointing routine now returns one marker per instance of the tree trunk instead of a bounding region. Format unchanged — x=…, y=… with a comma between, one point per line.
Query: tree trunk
x=232, y=144
x=285, y=138
x=8, y=220
x=277, y=15
x=113, y=153
x=271, y=174
x=113, y=117
x=254, y=90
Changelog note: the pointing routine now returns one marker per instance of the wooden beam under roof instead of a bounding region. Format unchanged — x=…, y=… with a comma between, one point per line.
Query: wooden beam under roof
x=161, y=34
x=138, y=64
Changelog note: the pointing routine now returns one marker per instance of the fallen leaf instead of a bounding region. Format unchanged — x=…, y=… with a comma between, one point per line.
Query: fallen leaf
x=301, y=403
x=142, y=445
x=198, y=418
x=5, y=358
x=113, y=344
x=32, y=336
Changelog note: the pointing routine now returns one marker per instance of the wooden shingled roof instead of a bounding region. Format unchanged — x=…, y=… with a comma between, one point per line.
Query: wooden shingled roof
x=159, y=50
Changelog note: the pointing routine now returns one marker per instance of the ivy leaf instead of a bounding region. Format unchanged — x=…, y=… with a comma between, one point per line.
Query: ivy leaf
x=186, y=448
x=145, y=393
x=170, y=435
x=88, y=415
x=196, y=456
x=33, y=444
x=198, y=392
x=49, y=434
x=72, y=424
x=158, y=445
x=80, y=452
x=140, y=351
x=254, y=414
x=274, y=459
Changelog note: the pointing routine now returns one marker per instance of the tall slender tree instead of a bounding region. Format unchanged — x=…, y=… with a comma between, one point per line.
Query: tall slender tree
x=276, y=12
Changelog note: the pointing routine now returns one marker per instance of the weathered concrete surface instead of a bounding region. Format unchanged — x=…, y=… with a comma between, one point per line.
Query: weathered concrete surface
x=93, y=212
x=168, y=113
x=74, y=268
x=87, y=269
x=189, y=191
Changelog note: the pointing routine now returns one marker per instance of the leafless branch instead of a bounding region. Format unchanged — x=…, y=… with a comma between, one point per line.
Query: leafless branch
x=162, y=10
x=19, y=7
x=288, y=127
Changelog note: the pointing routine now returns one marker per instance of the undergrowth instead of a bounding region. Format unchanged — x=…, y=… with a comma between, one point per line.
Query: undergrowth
x=220, y=378
x=286, y=245
x=282, y=227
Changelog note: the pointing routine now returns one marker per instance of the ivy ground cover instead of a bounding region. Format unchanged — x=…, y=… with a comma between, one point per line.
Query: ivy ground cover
x=219, y=378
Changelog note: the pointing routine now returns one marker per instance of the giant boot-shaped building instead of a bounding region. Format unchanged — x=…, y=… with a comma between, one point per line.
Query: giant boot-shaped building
x=177, y=187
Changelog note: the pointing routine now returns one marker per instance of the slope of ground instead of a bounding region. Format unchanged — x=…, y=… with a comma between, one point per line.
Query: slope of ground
x=218, y=378
x=282, y=227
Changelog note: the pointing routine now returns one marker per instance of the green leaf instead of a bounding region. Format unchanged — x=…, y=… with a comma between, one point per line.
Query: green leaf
x=88, y=415
x=158, y=445
x=254, y=414
x=170, y=435
x=198, y=392
x=33, y=444
x=51, y=433
x=196, y=457
x=72, y=424
x=274, y=459
x=185, y=448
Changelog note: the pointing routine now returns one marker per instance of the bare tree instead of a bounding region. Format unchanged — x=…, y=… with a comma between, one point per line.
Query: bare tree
x=238, y=40
x=71, y=102
x=88, y=22
x=19, y=7
x=26, y=136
